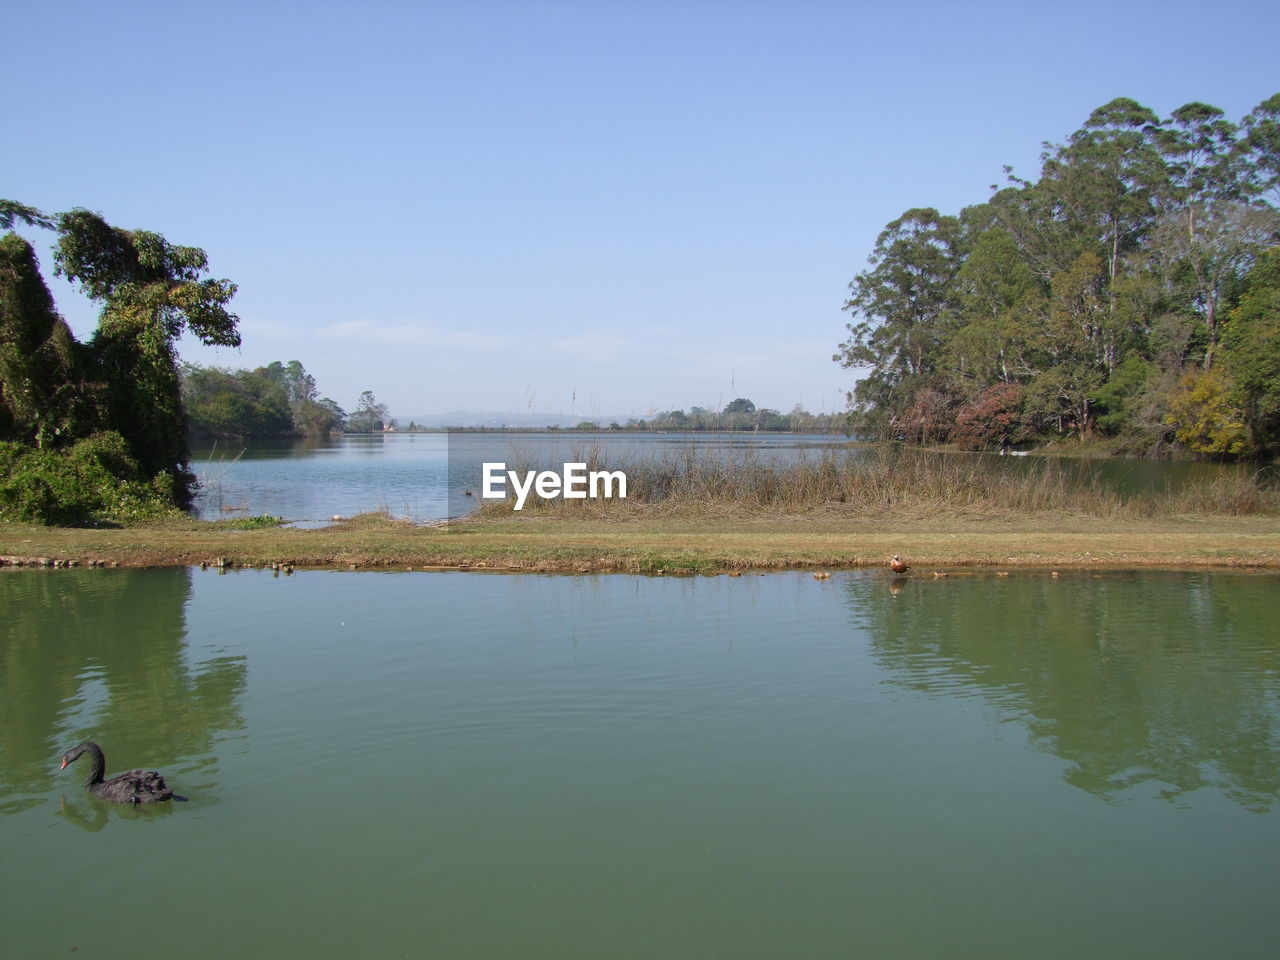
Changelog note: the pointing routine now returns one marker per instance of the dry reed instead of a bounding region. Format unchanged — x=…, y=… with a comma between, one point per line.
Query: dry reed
x=894, y=482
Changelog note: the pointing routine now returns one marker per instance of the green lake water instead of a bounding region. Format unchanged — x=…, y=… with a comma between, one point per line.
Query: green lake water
x=490, y=766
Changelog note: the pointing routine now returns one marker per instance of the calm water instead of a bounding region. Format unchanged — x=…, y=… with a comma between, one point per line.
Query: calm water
x=450, y=765
x=413, y=475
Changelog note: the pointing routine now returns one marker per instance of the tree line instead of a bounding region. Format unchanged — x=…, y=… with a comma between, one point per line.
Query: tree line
x=1130, y=293
x=271, y=401
x=738, y=414
x=277, y=400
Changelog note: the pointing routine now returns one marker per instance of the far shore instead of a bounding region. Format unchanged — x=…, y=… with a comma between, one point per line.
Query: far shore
x=556, y=542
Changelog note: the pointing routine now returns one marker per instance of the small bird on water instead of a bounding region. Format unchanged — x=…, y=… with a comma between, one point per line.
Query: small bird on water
x=897, y=566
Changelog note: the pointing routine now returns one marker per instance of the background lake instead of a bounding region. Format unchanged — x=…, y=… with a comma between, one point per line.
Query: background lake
x=480, y=765
x=415, y=475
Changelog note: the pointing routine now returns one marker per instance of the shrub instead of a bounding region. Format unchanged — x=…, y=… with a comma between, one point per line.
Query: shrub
x=929, y=419
x=1207, y=414
x=94, y=480
x=995, y=419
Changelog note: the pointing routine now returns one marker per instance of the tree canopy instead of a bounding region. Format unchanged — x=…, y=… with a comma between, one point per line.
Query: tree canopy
x=1112, y=296
x=55, y=391
x=369, y=416
x=272, y=401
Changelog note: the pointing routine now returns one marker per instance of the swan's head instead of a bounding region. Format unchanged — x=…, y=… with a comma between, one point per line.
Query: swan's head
x=72, y=755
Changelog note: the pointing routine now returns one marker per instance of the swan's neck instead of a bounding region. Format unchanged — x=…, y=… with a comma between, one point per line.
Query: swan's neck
x=97, y=766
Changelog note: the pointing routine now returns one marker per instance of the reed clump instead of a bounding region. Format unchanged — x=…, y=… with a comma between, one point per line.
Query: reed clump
x=896, y=483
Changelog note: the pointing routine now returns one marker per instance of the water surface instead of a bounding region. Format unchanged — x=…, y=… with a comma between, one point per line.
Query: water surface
x=422, y=476
x=386, y=765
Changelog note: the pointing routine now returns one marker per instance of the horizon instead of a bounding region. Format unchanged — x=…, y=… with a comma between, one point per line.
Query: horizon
x=572, y=209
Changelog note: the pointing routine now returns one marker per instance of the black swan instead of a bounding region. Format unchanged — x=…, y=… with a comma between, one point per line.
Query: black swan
x=136, y=786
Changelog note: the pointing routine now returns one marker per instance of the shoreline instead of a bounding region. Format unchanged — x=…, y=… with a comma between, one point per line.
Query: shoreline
x=560, y=544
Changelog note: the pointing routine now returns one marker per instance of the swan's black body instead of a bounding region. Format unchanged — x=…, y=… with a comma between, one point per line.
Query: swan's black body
x=136, y=786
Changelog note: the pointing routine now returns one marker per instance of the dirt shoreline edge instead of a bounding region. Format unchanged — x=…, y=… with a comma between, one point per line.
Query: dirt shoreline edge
x=556, y=545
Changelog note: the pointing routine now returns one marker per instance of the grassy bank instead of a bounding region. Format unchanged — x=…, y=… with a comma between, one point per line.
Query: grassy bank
x=551, y=542
x=700, y=514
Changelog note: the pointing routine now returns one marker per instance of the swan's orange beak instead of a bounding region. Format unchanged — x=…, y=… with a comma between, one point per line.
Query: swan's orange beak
x=64, y=765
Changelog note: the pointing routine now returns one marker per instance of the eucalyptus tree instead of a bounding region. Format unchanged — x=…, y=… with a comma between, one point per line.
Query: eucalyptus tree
x=298, y=385
x=1044, y=238
x=1075, y=229
x=311, y=417
x=1002, y=302
x=369, y=416
x=1251, y=350
x=1092, y=289
x=1079, y=340
x=1212, y=227
x=1212, y=256
x=1107, y=179
x=1260, y=148
x=904, y=308
x=1199, y=148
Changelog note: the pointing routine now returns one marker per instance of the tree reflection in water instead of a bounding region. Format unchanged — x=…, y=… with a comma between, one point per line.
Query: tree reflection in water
x=102, y=654
x=1163, y=679
x=92, y=814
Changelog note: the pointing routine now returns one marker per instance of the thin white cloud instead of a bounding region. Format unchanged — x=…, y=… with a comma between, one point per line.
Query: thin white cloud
x=414, y=334
x=597, y=345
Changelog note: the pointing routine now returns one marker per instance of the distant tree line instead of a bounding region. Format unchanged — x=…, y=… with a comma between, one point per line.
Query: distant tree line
x=96, y=429
x=278, y=400
x=738, y=414
x=272, y=401
x=1131, y=293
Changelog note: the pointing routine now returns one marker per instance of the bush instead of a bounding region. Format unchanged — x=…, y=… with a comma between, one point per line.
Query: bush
x=1207, y=414
x=930, y=418
x=995, y=419
x=94, y=480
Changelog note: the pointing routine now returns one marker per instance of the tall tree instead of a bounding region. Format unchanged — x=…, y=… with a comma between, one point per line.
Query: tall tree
x=1207, y=249
x=151, y=291
x=1107, y=178
x=1260, y=147
x=1209, y=232
x=1002, y=301
x=1251, y=351
x=904, y=307
x=1080, y=341
x=369, y=416
x=1203, y=165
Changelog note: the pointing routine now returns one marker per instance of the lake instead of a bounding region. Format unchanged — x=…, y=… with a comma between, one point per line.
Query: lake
x=421, y=476
x=414, y=475
x=484, y=765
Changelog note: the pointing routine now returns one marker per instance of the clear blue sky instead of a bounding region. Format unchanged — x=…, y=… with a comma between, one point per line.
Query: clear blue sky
x=496, y=205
